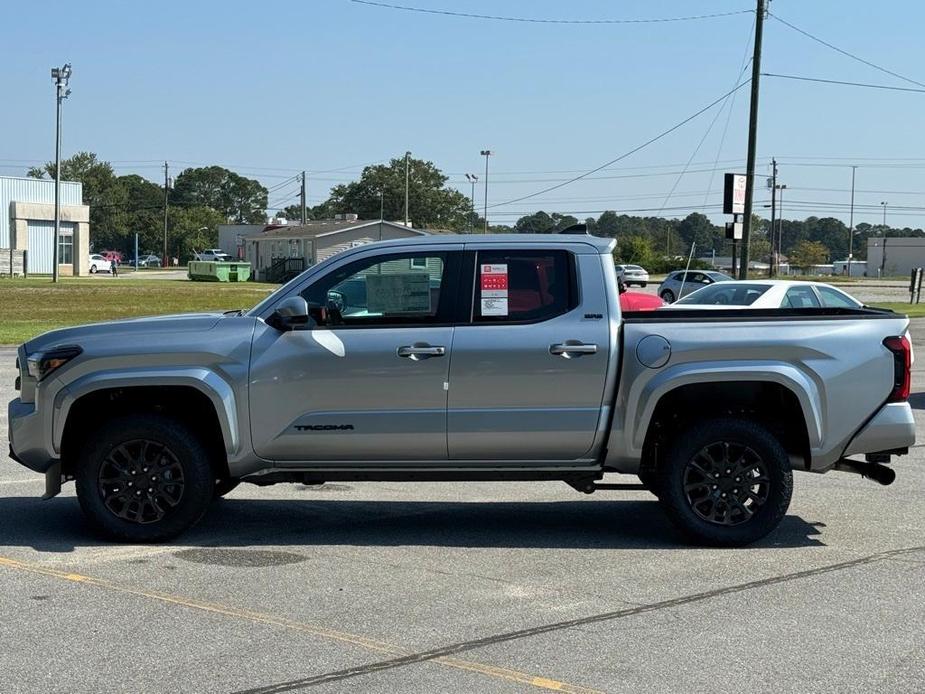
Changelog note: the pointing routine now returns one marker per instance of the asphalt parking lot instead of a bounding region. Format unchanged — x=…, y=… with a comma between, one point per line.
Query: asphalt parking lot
x=501, y=587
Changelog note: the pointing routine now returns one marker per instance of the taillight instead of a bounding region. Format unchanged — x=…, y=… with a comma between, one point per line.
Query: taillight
x=902, y=367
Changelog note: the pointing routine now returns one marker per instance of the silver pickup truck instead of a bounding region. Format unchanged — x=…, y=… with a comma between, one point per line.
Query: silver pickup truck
x=461, y=358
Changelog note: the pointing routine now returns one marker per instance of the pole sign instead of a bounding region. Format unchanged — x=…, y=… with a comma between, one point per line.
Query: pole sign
x=734, y=193
x=734, y=231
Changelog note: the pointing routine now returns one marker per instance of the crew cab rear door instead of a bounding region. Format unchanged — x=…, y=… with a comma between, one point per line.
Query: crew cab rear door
x=371, y=385
x=530, y=366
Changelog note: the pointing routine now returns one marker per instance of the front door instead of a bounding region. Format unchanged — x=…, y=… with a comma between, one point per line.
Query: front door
x=371, y=385
x=529, y=369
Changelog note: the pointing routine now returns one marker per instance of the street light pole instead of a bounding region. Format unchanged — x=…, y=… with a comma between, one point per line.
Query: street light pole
x=407, y=160
x=771, y=229
x=486, y=153
x=780, y=226
x=381, y=208
x=61, y=76
x=884, y=216
x=851, y=222
x=473, y=179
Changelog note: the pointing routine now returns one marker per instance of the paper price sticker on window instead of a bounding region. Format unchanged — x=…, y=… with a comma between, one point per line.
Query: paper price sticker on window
x=493, y=285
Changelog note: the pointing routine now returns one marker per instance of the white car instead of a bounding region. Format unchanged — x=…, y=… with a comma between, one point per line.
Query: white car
x=767, y=294
x=216, y=254
x=633, y=274
x=99, y=264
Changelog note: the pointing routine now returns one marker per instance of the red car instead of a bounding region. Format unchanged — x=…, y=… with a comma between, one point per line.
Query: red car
x=112, y=256
x=639, y=301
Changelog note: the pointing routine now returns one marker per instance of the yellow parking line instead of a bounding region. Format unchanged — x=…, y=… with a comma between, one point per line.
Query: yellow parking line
x=303, y=627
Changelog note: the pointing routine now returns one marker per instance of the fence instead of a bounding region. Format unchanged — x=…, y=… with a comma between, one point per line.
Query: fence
x=13, y=262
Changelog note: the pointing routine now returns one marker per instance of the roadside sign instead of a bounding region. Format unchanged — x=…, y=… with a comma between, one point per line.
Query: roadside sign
x=734, y=193
x=734, y=231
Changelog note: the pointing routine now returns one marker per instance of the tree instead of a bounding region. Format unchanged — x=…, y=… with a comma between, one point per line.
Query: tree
x=430, y=202
x=542, y=223
x=636, y=249
x=239, y=199
x=102, y=191
x=191, y=229
x=608, y=224
x=808, y=253
x=697, y=228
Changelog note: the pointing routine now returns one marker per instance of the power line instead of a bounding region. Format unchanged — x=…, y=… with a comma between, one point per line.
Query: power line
x=533, y=20
x=841, y=82
x=846, y=53
x=630, y=152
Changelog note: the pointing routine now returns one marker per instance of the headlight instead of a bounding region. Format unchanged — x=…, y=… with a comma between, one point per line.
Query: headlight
x=40, y=364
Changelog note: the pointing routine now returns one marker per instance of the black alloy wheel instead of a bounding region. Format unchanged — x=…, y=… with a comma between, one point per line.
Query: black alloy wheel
x=141, y=481
x=726, y=483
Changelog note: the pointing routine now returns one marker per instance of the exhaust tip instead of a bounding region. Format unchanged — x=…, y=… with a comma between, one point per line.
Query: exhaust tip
x=873, y=471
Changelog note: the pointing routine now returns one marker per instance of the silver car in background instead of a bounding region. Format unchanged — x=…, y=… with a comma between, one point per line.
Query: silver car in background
x=683, y=282
x=632, y=274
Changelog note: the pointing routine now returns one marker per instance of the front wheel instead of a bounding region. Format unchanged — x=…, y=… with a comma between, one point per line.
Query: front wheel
x=143, y=478
x=726, y=483
x=93, y=269
x=667, y=296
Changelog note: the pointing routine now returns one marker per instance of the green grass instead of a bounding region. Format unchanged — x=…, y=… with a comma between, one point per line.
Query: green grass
x=29, y=307
x=911, y=310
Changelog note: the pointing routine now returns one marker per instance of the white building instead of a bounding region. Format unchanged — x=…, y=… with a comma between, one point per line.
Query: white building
x=27, y=222
x=890, y=256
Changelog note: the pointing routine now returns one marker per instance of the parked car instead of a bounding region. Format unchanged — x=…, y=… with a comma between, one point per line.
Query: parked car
x=112, y=256
x=683, y=282
x=99, y=264
x=216, y=254
x=768, y=294
x=633, y=274
x=517, y=365
x=150, y=260
x=637, y=301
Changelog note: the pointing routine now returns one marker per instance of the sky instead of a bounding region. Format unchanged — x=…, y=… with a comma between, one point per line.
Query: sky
x=274, y=87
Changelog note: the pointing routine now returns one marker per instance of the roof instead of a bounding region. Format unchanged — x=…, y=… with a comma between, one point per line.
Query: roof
x=601, y=245
x=326, y=226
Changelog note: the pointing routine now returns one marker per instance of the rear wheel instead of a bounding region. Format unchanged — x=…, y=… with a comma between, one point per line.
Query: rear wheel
x=726, y=482
x=667, y=296
x=93, y=269
x=143, y=478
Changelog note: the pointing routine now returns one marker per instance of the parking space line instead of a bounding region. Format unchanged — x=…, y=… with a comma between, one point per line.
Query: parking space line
x=397, y=652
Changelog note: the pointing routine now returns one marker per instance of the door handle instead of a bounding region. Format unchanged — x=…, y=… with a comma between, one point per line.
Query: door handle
x=572, y=348
x=421, y=350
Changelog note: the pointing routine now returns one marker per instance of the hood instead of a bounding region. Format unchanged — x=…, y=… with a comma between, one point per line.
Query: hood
x=125, y=329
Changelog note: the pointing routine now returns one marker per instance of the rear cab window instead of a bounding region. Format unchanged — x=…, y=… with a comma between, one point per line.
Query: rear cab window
x=523, y=286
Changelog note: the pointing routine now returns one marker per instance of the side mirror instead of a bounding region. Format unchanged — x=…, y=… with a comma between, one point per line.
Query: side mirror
x=290, y=314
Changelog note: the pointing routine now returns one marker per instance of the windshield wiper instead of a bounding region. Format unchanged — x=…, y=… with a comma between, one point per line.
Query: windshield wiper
x=234, y=312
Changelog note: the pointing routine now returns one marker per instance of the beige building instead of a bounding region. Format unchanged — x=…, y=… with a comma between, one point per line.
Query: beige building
x=281, y=252
x=890, y=256
x=27, y=223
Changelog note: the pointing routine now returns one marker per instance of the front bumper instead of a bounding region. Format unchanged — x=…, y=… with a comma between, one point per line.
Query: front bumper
x=27, y=437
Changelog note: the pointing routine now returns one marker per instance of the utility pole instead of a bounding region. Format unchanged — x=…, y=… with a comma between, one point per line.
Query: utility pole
x=473, y=179
x=302, y=194
x=486, y=153
x=166, y=205
x=884, y=216
x=780, y=221
x=381, y=208
x=752, y=138
x=851, y=222
x=407, y=160
x=61, y=76
x=771, y=229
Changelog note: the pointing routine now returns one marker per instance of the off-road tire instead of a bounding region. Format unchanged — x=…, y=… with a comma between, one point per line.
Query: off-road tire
x=770, y=473
x=173, y=455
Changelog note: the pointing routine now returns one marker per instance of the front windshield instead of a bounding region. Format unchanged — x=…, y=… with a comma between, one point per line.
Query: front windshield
x=731, y=294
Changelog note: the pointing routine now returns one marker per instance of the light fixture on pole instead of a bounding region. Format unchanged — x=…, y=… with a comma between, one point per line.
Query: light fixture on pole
x=473, y=179
x=61, y=76
x=486, y=153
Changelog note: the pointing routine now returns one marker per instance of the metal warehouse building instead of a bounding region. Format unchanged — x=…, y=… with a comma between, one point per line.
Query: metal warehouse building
x=27, y=222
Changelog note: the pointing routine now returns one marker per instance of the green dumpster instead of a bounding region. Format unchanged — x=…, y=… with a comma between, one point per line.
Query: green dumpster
x=213, y=271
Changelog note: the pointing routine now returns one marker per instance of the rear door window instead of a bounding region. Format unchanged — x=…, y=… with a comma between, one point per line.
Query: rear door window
x=832, y=298
x=800, y=297
x=523, y=286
